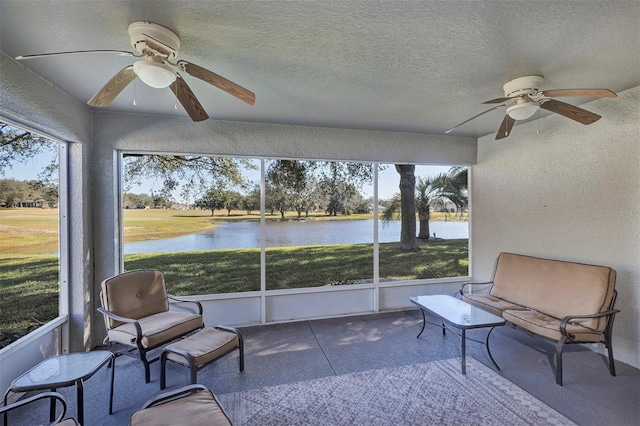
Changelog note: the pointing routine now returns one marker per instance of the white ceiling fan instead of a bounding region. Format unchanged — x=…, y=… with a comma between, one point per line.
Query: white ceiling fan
x=523, y=98
x=157, y=47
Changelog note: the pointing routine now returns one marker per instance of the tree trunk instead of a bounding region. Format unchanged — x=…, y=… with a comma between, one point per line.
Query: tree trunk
x=408, y=239
x=424, y=230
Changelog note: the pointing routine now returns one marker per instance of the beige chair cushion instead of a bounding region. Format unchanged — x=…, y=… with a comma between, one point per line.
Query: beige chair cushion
x=134, y=294
x=204, y=346
x=545, y=325
x=491, y=304
x=157, y=328
x=201, y=408
x=554, y=287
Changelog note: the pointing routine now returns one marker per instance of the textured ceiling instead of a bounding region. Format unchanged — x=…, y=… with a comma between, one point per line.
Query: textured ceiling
x=417, y=66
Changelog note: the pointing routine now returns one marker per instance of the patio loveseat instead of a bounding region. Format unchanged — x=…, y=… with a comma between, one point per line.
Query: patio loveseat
x=566, y=302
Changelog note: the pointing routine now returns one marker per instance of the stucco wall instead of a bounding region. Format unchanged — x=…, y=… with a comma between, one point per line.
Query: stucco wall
x=28, y=100
x=571, y=192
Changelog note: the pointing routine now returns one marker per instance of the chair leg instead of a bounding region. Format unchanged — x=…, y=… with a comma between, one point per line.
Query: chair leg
x=241, y=348
x=163, y=372
x=147, y=368
x=607, y=343
x=559, y=347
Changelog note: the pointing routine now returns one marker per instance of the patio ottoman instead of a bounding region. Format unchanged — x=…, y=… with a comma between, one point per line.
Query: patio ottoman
x=201, y=349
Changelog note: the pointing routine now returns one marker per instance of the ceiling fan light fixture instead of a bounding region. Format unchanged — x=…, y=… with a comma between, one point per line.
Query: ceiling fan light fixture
x=522, y=111
x=154, y=74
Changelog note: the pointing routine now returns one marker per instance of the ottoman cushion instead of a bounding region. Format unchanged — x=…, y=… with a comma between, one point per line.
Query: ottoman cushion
x=204, y=346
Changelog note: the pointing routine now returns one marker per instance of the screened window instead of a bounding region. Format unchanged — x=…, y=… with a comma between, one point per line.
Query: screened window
x=30, y=255
x=199, y=220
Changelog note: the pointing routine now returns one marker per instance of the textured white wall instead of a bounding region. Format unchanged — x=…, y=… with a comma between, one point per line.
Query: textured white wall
x=28, y=100
x=571, y=192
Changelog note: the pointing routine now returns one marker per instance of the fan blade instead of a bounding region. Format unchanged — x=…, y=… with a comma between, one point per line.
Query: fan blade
x=496, y=101
x=188, y=100
x=505, y=127
x=218, y=81
x=113, y=87
x=74, y=52
x=570, y=111
x=587, y=93
x=475, y=116
x=158, y=46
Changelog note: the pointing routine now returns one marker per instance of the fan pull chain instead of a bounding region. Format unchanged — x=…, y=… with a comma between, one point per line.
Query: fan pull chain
x=135, y=102
x=538, y=121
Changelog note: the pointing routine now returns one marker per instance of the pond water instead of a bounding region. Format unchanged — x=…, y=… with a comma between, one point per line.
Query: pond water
x=291, y=233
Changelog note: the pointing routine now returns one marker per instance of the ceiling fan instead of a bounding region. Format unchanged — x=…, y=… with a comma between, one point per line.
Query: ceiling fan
x=157, y=46
x=523, y=98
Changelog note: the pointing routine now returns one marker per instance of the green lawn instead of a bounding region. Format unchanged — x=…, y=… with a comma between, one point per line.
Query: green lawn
x=29, y=283
x=29, y=274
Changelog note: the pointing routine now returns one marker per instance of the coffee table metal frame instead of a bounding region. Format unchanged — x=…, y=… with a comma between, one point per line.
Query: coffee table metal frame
x=455, y=314
x=62, y=371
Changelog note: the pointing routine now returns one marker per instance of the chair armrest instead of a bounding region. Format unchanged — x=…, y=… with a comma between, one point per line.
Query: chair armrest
x=472, y=283
x=117, y=317
x=570, y=319
x=172, y=395
x=177, y=299
x=43, y=395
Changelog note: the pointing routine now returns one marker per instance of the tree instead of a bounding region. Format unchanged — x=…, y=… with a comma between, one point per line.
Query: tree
x=12, y=191
x=194, y=173
x=251, y=200
x=312, y=185
x=47, y=184
x=132, y=201
x=287, y=180
x=232, y=201
x=341, y=182
x=213, y=199
x=160, y=200
x=431, y=193
x=18, y=146
x=408, y=240
x=455, y=187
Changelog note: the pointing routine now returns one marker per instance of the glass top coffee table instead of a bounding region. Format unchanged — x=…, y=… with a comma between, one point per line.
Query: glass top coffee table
x=65, y=370
x=459, y=315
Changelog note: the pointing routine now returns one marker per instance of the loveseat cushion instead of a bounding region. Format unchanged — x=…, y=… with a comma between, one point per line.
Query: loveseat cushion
x=490, y=303
x=554, y=287
x=548, y=326
x=157, y=328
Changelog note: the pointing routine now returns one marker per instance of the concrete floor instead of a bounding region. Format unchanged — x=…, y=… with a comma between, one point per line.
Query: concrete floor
x=285, y=353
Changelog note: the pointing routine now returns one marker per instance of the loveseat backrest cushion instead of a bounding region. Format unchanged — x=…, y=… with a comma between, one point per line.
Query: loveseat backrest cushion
x=135, y=294
x=554, y=287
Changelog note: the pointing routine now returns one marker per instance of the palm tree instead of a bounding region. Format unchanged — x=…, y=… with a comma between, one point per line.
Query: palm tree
x=431, y=193
x=429, y=196
x=455, y=188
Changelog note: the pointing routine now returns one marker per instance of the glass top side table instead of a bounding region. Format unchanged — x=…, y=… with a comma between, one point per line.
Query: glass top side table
x=65, y=370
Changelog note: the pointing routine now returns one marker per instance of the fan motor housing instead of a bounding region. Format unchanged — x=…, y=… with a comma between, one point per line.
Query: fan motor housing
x=169, y=39
x=528, y=85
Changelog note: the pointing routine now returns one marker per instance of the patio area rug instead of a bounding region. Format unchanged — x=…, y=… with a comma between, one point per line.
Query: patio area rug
x=434, y=393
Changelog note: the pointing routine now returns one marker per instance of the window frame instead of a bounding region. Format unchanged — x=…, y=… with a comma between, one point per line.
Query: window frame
x=64, y=289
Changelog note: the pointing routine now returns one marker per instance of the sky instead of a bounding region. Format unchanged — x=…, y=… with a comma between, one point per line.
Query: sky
x=387, y=179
